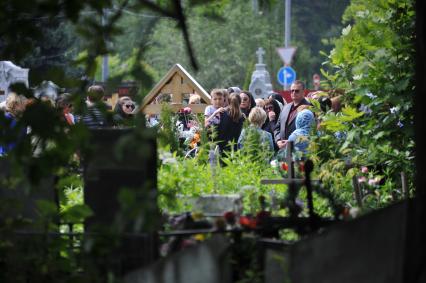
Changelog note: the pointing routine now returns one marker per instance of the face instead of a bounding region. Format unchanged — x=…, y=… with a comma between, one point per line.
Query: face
x=245, y=101
x=260, y=102
x=217, y=101
x=128, y=107
x=226, y=101
x=269, y=107
x=297, y=92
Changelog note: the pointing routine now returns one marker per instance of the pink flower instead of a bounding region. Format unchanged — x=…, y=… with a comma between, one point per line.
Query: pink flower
x=362, y=179
x=372, y=182
x=364, y=169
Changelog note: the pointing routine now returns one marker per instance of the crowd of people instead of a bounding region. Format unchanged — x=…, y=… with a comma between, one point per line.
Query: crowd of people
x=97, y=113
x=274, y=121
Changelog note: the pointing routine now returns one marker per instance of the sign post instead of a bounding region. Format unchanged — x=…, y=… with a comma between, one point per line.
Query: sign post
x=286, y=55
x=286, y=76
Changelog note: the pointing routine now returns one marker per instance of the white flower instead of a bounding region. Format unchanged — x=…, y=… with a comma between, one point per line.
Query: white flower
x=346, y=30
x=358, y=77
x=274, y=163
x=365, y=109
x=167, y=158
x=393, y=110
x=170, y=160
x=370, y=95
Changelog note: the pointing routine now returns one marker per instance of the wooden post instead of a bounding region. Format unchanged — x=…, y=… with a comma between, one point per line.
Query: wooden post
x=357, y=189
x=405, y=192
x=289, y=159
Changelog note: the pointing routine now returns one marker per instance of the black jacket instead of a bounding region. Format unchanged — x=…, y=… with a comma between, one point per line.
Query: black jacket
x=228, y=130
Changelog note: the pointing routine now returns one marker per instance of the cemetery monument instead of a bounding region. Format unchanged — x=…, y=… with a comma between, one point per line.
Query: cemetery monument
x=9, y=74
x=260, y=85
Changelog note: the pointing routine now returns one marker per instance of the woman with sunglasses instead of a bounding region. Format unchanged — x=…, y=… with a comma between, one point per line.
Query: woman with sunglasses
x=124, y=112
x=247, y=102
x=273, y=110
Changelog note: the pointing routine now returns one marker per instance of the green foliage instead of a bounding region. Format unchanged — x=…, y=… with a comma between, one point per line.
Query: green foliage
x=168, y=136
x=374, y=61
x=188, y=177
x=227, y=55
x=218, y=66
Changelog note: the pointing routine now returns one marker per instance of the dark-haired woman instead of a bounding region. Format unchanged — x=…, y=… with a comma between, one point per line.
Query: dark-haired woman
x=124, y=112
x=247, y=102
x=279, y=99
x=273, y=110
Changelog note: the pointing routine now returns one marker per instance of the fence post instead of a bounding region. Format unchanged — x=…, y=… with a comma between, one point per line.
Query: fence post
x=357, y=189
x=405, y=192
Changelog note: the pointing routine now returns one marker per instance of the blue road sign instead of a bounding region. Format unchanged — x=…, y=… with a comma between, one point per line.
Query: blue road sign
x=286, y=75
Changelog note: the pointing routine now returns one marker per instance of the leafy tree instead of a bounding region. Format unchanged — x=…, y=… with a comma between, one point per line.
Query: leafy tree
x=374, y=61
x=227, y=51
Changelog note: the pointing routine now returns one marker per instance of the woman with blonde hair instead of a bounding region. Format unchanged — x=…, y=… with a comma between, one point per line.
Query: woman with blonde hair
x=257, y=118
x=15, y=106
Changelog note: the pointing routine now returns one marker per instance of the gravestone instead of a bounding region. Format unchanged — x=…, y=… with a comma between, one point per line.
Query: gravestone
x=260, y=85
x=206, y=262
x=215, y=205
x=9, y=74
x=47, y=89
x=120, y=186
x=112, y=164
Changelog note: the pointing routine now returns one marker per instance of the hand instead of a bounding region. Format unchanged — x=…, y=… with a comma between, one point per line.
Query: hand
x=220, y=110
x=281, y=143
x=271, y=115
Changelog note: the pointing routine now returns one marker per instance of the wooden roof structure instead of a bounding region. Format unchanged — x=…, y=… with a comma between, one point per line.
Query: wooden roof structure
x=174, y=88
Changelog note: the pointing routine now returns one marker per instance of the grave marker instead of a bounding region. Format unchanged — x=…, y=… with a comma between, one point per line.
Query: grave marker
x=176, y=84
x=9, y=74
x=260, y=85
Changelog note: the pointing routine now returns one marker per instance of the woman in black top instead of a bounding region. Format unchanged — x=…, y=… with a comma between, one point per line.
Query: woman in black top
x=273, y=110
x=124, y=112
x=231, y=124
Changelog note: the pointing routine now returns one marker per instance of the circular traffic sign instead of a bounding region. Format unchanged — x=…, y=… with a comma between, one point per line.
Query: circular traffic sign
x=286, y=75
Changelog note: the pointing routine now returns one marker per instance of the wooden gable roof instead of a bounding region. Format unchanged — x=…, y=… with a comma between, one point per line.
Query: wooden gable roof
x=177, y=83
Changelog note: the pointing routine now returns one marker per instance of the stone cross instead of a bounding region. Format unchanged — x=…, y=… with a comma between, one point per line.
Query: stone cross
x=260, y=85
x=260, y=52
